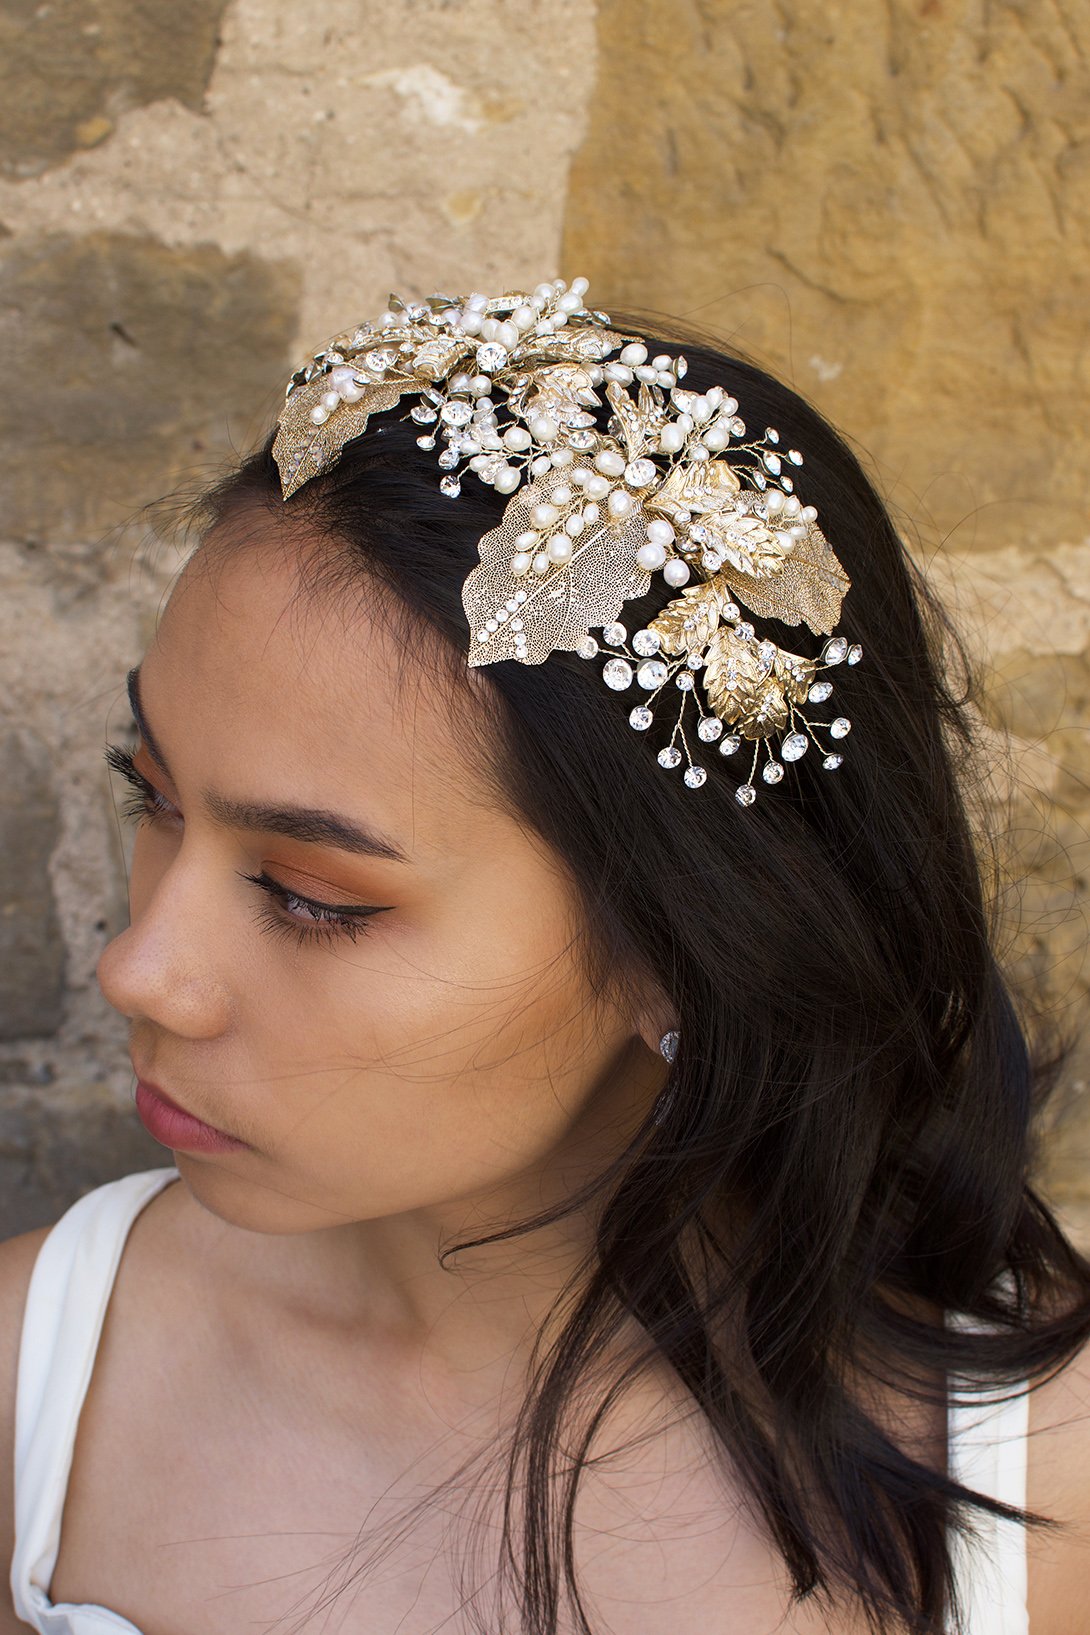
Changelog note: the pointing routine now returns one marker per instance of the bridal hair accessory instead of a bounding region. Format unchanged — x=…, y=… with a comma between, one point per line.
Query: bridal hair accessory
x=674, y=484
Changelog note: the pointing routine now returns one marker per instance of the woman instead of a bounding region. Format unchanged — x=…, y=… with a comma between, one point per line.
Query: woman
x=597, y=1178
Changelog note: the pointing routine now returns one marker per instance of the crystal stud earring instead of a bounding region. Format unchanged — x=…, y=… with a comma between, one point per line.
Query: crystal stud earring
x=668, y=1044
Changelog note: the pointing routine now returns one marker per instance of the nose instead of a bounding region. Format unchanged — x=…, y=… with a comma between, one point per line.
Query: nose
x=168, y=967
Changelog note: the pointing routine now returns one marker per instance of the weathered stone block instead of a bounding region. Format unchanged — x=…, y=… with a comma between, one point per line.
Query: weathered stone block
x=68, y=69
x=31, y=946
x=136, y=362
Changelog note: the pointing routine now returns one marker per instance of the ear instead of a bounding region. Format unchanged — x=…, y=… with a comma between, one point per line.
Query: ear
x=654, y=1016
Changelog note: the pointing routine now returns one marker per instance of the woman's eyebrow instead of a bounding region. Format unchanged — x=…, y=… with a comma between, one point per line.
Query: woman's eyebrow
x=311, y=825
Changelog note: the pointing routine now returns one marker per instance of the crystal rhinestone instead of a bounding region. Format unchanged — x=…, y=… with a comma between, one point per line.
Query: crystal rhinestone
x=745, y=794
x=840, y=728
x=711, y=560
x=669, y=757
x=586, y=647
x=382, y=359
x=582, y=439
x=448, y=458
x=745, y=631
x=835, y=650
x=738, y=427
x=794, y=746
x=614, y=634
x=709, y=727
x=831, y=762
x=855, y=653
x=425, y=442
x=695, y=660
x=695, y=776
x=646, y=642
x=639, y=473
x=771, y=434
x=451, y=486
x=651, y=673
x=699, y=533
x=760, y=480
x=685, y=680
x=640, y=717
x=766, y=651
x=423, y=415
x=772, y=771
x=819, y=692
x=794, y=456
x=457, y=412
x=490, y=357
x=729, y=744
x=617, y=673
x=771, y=463
x=786, y=484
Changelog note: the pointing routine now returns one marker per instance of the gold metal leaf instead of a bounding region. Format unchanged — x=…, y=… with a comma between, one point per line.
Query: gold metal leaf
x=634, y=429
x=686, y=624
x=706, y=485
x=809, y=588
x=563, y=604
x=747, y=542
x=302, y=449
x=741, y=687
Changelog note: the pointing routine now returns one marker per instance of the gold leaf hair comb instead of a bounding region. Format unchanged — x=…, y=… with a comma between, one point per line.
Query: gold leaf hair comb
x=674, y=485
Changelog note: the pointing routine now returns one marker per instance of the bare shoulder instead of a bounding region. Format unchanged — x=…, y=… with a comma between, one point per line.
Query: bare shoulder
x=17, y=1257
x=1058, y=1485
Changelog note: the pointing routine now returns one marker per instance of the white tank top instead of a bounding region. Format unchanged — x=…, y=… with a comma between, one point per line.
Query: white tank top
x=66, y=1304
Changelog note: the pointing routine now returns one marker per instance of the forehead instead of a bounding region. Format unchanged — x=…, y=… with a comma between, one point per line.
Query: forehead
x=270, y=672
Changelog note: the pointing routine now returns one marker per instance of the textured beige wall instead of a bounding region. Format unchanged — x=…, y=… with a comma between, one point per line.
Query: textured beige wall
x=886, y=202
x=191, y=195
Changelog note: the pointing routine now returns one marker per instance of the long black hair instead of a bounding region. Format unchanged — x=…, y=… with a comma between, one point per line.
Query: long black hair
x=848, y=1150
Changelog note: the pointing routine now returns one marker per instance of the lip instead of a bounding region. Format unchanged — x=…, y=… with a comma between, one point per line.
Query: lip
x=176, y=1128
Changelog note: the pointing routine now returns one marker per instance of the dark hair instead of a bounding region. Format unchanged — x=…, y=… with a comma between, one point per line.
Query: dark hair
x=857, y=1080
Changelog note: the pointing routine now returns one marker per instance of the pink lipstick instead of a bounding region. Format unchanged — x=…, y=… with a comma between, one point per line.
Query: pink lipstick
x=178, y=1129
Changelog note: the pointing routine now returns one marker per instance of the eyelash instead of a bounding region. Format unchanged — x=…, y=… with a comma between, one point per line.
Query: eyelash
x=327, y=922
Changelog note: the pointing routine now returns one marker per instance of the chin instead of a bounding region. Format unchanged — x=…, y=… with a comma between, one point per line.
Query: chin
x=274, y=1207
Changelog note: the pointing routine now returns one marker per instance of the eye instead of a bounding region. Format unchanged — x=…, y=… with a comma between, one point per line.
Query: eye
x=305, y=919
x=145, y=804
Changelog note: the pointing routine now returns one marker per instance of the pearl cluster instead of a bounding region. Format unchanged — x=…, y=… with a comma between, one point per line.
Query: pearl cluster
x=543, y=361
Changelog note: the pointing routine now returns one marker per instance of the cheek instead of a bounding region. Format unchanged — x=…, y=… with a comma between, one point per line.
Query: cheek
x=432, y=1065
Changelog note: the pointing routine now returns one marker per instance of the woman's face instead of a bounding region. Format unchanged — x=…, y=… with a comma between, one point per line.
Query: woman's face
x=445, y=1046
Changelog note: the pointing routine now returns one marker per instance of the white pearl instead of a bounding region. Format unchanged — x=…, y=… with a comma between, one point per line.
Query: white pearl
x=481, y=385
x=561, y=457
x=729, y=405
x=543, y=427
x=792, y=505
x=698, y=451
x=524, y=318
x=520, y=563
x=352, y=393
x=701, y=409
x=389, y=320
x=619, y=372
x=560, y=548
x=319, y=414
x=485, y=406
x=517, y=437
x=507, y=479
x=663, y=361
x=570, y=302
x=574, y=524
x=611, y=462
x=544, y=291
x=676, y=572
x=476, y=300
x=471, y=322
x=716, y=437
x=508, y=334
x=671, y=439
x=331, y=400
x=489, y=327
x=591, y=512
x=559, y=320
x=650, y=556
x=540, y=564
x=665, y=378
x=580, y=474
x=660, y=532
x=526, y=540
x=685, y=421
x=580, y=286
x=596, y=487
x=543, y=515
x=808, y=513
x=774, y=502
x=635, y=353
x=621, y=503
x=541, y=465
x=561, y=495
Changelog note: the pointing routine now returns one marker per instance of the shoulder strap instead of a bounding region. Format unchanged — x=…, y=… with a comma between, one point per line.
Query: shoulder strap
x=987, y=1452
x=66, y=1304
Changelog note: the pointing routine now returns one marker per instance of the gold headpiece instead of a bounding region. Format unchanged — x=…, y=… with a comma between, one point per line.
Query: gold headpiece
x=672, y=485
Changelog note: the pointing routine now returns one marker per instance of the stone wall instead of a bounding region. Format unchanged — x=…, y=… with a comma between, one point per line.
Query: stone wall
x=887, y=203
